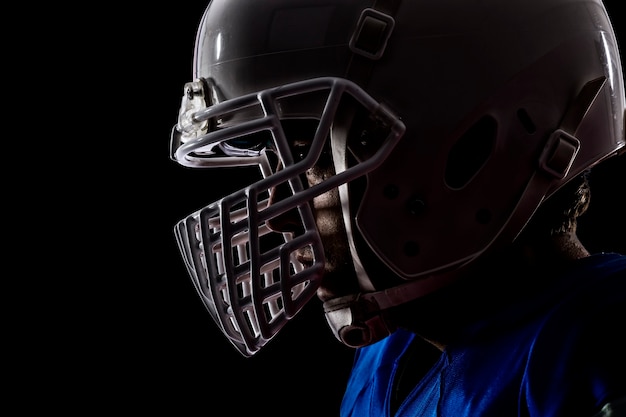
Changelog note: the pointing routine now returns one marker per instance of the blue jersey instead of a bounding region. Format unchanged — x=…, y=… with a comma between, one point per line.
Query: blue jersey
x=567, y=361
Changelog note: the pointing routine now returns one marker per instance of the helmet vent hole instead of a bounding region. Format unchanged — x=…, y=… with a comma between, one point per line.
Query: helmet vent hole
x=470, y=152
x=483, y=216
x=526, y=121
x=411, y=248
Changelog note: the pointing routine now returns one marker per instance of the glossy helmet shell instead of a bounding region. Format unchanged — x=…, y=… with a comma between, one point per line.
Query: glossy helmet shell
x=481, y=86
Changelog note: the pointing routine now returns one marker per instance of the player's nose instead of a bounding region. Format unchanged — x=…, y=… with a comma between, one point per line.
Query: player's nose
x=287, y=222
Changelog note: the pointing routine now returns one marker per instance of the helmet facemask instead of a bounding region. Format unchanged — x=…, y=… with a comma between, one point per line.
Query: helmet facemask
x=256, y=279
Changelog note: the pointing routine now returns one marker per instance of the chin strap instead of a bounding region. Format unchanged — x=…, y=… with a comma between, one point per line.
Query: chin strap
x=359, y=320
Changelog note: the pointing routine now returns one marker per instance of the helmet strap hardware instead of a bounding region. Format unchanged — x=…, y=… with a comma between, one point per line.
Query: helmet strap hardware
x=559, y=153
x=562, y=146
x=371, y=34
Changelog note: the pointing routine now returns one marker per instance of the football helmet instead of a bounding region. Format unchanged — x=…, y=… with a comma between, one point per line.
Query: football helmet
x=448, y=123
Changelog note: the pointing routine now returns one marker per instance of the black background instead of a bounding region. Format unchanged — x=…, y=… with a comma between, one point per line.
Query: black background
x=133, y=336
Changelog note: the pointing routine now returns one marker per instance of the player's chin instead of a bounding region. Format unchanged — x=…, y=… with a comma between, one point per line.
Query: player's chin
x=339, y=280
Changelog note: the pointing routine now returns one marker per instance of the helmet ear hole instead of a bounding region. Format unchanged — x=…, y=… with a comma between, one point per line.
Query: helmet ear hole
x=470, y=152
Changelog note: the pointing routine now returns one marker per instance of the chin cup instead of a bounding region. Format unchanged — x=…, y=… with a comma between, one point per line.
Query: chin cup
x=356, y=320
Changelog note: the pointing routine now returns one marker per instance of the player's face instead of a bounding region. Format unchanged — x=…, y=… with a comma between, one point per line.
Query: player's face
x=339, y=277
